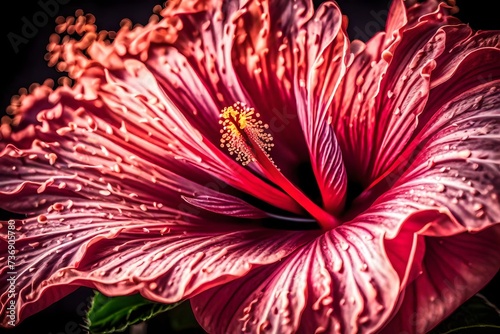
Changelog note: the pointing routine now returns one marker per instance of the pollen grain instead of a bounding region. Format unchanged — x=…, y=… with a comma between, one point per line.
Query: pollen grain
x=243, y=132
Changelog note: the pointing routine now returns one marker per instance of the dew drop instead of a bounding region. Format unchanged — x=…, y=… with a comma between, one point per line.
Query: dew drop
x=52, y=158
x=320, y=330
x=327, y=301
x=58, y=207
x=440, y=188
x=360, y=80
x=477, y=206
x=368, y=237
x=105, y=192
x=464, y=154
x=265, y=326
x=387, y=55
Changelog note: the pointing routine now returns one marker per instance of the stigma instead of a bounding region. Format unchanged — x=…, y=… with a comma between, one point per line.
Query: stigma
x=243, y=133
x=245, y=136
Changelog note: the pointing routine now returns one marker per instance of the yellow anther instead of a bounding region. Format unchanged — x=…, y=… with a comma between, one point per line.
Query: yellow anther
x=242, y=132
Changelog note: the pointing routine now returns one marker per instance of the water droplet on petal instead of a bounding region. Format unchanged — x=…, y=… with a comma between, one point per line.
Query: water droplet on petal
x=480, y=214
x=58, y=207
x=440, y=188
x=464, y=154
x=265, y=326
x=105, y=192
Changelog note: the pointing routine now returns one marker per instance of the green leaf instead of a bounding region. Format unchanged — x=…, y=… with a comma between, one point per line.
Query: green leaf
x=477, y=315
x=182, y=319
x=115, y=314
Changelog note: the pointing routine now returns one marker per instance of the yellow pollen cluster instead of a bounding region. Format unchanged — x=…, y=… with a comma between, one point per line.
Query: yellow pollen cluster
x=242, y=132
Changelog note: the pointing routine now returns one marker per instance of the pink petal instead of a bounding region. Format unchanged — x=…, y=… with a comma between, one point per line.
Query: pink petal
x=451, y=183
x=453, y=270
x=217, y=60
x=226, y=205
x=287, y=52
x=397, y=17
x=119, y=250
x=91, y=186
x=456, y=169
x=85, y=161
x=461, y=41
x=340, y=282
x=261, y=38
x=129, y=122
x=320, y=53
x=181, y=141
x=385, y=89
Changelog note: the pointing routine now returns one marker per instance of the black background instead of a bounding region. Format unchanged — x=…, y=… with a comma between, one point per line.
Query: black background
x=26, y=65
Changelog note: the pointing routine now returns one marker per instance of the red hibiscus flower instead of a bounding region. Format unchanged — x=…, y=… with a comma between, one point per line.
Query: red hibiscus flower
x=249, y=157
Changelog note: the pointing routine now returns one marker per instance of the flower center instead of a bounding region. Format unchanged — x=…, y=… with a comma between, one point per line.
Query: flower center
x=245, y=136
x=241, y=131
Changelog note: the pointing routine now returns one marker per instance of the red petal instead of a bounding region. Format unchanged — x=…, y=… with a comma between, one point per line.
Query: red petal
x=182, y=141
x=118, y=251
x=453, y=173
x=453, y=270
x=320, y=61
x=262, y=38
x=377, y=105
x=87, y=161
x=287, y=52
x=131, y=120
x=341, y=282
x=457, y=168
x=226, y=205
x=226, y=53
